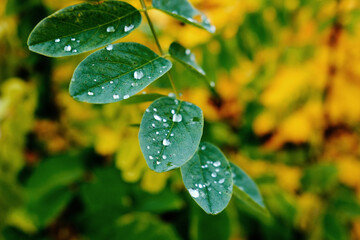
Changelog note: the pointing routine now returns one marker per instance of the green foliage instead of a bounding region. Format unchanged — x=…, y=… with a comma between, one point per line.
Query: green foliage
x=184, y=56
x=83, y=27
x=207, y=177
x=170, y=130
x=184, y=12
x=116, y=73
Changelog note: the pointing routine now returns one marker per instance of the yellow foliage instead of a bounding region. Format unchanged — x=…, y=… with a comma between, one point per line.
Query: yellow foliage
x=309, y=211
x=107, y=141
x=349, y=171
x=154, y=182
x=264, y=123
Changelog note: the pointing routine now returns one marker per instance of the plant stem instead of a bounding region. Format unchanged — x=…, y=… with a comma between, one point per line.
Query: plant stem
x=158, y=44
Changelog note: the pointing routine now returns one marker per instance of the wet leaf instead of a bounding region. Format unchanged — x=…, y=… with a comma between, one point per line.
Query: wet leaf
x=184, y=56
x=184, y=12
x=170, y=133
x=83, y=27
x=207, y=177
x=116, y=73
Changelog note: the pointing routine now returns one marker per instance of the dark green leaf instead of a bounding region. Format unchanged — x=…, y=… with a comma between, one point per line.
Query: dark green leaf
x=207, y=176
x=184, y=12
x=184, y=56
x=246, y=190
x=320, y=178
x=170, y=132
x=44, y=209
x=54, y=172
x=83, y=27
x=116, y=73
x=142, y=98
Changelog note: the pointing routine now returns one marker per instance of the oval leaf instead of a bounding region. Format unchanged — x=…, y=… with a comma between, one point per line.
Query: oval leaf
x=170, y=132
x=184, y=12
x=184, y=56
x=246, y=190
x=116, y=73
x=207, y=176
x=83, y=27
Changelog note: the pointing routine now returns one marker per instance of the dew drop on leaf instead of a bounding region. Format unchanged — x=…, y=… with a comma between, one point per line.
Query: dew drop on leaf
x=90, y=93
x=116, y=96
x=194, y=192
x=126, y=96
x=109, y=47
x=177, y=118
x=110, y=29
x=128, y=28
x=217, y=164
x=57, y=40
x=166, y=142
x=157, y=117
x=138, y=74
x=67, y=48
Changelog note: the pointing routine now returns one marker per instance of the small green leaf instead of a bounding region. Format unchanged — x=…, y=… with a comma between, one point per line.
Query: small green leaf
x=116, y=73
x=184, y=56
x=184, y=12
x=207, y=176
x=246, y=190
x=170, y=132
x=141, y=98
x=83, y=27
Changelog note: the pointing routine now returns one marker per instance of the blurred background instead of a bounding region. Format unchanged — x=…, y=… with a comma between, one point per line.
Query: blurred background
x=285, y=108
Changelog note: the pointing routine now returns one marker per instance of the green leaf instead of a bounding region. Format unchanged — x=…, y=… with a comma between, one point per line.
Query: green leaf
x=170, y=132
x=47, y=207
x=116, y=73
x=54, y=172
x=184, y=56
x=246, y=190
x=142, y=98
x=207, y=176
x=83, y=27
x=184, y=12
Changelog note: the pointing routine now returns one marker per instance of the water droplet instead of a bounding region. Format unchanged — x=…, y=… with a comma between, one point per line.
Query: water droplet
x=78, y=41
x=148, y=147
x=172, y=95
x=203, y=148
x=110, y=29
x=147, y=110
x=222, y=180
x=157, y=133
x=67, y=48
x=172, y=134
x=102, y=87
x=212, y=28
x=164, y=156
x=213, y=174
x=57, y=40
x=217, y=170
x=176, y=101
x=165, y=125
x=134, y=84
x=212, y=84
x=157, y=162
x=116, y=96
x=194, y=192
x=128, y=28
x=109, y=47
x=187, y=51
x=74, y=51
x=73, y=39
x=111, y=82
x=177, y=118
x=138, y=74
x=173, y=111
x=90, y=93
x=217, y=164
x=157, y=117
x=95, y=80
x=220, y=193
x=126, y=96
x=155, y=110
x=153, y=125
x=166, y=142
x=151, y=157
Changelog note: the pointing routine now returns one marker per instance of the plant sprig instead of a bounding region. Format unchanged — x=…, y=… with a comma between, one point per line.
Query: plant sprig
x=171, y=129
